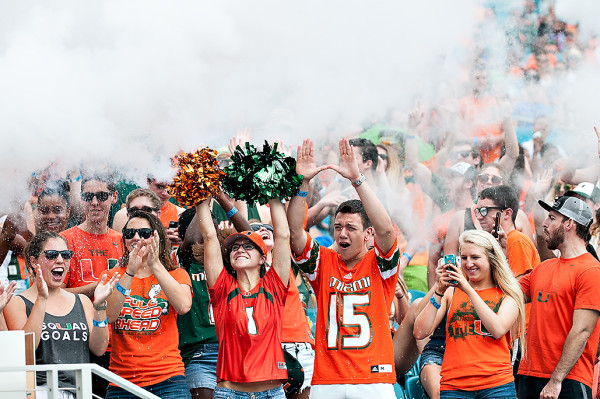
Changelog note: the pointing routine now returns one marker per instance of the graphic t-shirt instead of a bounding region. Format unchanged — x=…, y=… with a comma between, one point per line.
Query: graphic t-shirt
x=145, y=339
x=92, y=255
x=353, y=341
x=249, y=328
x=556, y=288
x=474, y=359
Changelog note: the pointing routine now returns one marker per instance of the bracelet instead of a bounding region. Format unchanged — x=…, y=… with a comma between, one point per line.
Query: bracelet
x=361, y=179
x=122, y=290
x=129, y=274
x=75, y=180
x=101, y=306
x=100, y=323
x=411, y=136
x=437, y=293
x=407, y=255
x=302, y=193
x=231, y=212
x=434, y=302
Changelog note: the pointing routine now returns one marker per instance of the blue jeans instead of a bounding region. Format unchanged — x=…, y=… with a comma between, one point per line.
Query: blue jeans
x=201, y=371
x=225, y=393
x=172, y=388
x=506, y=391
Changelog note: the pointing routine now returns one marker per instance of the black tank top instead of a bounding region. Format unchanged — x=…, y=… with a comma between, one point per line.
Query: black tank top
x=469, y=224
x=64, y=339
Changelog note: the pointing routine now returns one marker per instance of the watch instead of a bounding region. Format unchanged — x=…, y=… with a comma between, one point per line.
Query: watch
x=361, y=179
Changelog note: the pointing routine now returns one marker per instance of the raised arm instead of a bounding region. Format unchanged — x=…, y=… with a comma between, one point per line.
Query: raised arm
x=511, y=143
x=239, y=218
x=307, y=167
x=213, y=260
x=281, y=235
x=385, y=236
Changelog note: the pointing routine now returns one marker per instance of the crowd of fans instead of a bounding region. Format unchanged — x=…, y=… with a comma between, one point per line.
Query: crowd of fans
x=474, y=201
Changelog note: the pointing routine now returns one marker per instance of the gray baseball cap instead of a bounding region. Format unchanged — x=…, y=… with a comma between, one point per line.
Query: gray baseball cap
x=571, y=207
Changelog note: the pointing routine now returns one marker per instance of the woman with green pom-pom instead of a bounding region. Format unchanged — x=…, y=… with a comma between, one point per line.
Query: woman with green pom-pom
x=248, y=303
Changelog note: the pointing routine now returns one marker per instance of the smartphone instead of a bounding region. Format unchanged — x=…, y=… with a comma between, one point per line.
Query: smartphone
x=173, y=225
x=450, y=261
x=496, y=225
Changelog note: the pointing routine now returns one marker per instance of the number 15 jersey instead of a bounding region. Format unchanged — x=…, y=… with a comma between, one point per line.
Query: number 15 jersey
x=353, y=339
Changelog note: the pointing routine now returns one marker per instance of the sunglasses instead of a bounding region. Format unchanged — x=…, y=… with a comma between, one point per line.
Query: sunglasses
x=247, y=247
x=462, y=154
x=101, y=195
x=383, y=156
x=52, y=254
x=146, y=209
x=484, y=178
x=565, y=187
x=144, y=233
x=483, y=211
x=258, y=226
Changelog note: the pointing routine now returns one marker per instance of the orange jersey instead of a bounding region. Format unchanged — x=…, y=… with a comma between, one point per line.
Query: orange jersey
x=92, y=255
x=295, y=323
x=556, y=288
x=474, y=359
x=249, y=328
x=145, y=339
x=168, y=213
x=353, y=338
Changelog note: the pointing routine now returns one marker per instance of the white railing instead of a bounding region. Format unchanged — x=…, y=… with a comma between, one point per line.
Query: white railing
x=83, y=373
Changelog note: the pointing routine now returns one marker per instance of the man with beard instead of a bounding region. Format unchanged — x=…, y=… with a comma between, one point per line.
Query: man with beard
x=563, y=332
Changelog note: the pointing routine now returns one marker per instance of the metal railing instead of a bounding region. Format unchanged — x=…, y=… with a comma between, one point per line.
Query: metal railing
x=83, y=375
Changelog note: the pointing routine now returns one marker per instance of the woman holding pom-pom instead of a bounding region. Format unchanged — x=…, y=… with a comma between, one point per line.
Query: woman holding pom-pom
x=248, y=304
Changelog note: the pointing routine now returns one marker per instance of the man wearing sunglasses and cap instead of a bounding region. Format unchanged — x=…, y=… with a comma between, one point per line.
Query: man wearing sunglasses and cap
x=563, y=333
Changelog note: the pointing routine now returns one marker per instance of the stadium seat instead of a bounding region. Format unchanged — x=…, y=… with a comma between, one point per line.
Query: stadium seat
x=414, y=389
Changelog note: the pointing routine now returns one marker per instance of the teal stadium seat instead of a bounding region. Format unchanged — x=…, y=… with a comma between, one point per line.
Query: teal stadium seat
x=415, y=294
x=414, y=389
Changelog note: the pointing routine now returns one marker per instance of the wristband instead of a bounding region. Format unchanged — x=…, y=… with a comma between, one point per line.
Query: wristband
x=407, y=255
x=231, y=212
x=122, y=290
x=100, y=323
x=101, y=306
x=302, y=193
x=410, y=136
x=434, y=302
x=129, y=274
x=75, y=180
x=437, y=293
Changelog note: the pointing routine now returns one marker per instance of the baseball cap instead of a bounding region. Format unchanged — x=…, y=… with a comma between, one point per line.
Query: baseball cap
x=250, y=235
x=461, y=168
x=571, y=207
x=586, y=190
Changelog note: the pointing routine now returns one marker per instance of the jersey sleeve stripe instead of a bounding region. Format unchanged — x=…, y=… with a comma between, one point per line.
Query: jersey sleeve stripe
x=388, y=265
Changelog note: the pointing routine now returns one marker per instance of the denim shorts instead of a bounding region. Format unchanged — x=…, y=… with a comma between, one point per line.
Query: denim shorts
x=506, y=391
x=171, y=388
x=201, y=371
x=226, y=393
x=433, y=353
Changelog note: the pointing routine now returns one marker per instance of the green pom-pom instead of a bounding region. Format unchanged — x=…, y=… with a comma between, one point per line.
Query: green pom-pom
x=257, y=176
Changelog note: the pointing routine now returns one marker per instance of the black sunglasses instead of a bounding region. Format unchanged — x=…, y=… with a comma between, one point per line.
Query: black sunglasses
x=383, y=156
x=146, y=209
x=247, y=247
x=52, y=254
x=483, y=211
x=144, y=233
x=258, y=226
x=101, y=195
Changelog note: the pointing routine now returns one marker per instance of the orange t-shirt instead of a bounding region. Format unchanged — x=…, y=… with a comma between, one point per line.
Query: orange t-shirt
x=482, y=119
x=439, y=227
x=295, y=324
x=556, y=288
x=353, y=343
x=145, y=339
x=92, y=255
x=474, y=359
x=168, y=213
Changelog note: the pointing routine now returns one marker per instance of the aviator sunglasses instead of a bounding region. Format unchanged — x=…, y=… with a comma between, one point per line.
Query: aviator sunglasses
x=258, y=226
x=101, y=195
x=144, y=233
x=52, y=254
x=484, y=178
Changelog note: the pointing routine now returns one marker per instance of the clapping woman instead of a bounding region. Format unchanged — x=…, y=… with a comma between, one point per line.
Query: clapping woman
x=483, y=302
x=66, y=326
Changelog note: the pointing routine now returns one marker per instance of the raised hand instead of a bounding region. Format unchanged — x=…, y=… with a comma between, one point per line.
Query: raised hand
x=153, y=249
x=348, y=167
x=305, y=161
x=135, y=258
x=40, y=283
x=104, y=288
x=240, y=139
x=6, y=294
x=415, y=117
